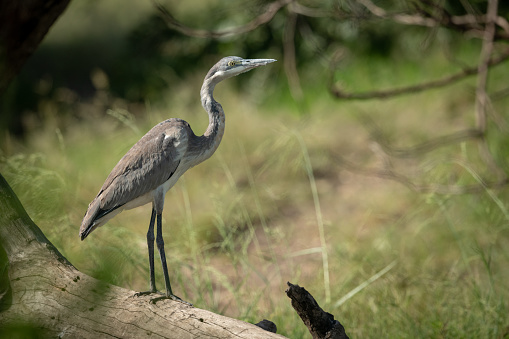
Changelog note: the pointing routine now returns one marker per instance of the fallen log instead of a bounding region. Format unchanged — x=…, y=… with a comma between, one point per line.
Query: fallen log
x=40, y=289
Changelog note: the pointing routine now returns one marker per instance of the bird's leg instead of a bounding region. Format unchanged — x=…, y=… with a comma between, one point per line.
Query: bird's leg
x=162, y=254
x=150, y=244
x=160, y=247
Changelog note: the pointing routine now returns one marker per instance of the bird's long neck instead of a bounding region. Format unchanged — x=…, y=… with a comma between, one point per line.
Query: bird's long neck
x=214, y=133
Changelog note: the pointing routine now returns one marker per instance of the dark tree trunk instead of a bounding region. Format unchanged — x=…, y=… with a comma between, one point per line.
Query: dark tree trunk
x=23, y=25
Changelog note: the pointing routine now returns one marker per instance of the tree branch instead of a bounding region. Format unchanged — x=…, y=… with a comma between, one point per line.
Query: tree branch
x=482, y=99
x=421, y=148
x=269, y=13
x=387, y=173
x=463, y=23
x=319, y=323
x=290, y=63
x=389, y=93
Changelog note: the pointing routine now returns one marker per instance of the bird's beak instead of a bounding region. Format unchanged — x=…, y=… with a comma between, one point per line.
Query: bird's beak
x=253, y=63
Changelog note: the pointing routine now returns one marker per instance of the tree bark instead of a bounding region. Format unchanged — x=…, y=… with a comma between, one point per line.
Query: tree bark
x=40, y=288
x=23, y=25
x=320, y=324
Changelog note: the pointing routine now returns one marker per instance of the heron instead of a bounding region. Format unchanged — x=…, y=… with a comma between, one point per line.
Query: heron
x=155, y=163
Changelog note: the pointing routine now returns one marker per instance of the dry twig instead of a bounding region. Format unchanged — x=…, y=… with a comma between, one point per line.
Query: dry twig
x=433, y=84
x=320, y=324
x=464, y=23
x=267, y=15
x=390, y=174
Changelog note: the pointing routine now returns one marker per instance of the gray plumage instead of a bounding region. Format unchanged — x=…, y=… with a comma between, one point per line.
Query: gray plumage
x=154, y=164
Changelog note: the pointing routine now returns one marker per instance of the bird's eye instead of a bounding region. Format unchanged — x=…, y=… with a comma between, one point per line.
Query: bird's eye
x=231, y=63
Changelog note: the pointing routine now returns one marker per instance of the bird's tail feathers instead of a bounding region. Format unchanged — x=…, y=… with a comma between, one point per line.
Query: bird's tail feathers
x=96, y=217
x=89, y=220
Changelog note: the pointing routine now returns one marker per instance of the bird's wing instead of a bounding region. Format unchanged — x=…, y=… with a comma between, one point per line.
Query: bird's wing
x=147, y=165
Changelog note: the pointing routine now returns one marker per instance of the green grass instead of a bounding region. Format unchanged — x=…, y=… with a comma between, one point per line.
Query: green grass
x=275, y=205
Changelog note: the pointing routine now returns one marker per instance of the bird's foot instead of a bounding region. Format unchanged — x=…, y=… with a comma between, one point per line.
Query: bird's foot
x=161, y=297
x=171, y=297
x=139, y=294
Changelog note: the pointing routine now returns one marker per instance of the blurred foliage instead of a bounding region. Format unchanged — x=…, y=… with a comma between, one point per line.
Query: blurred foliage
x=140, y=56
x=21, y=330
x=30, y=174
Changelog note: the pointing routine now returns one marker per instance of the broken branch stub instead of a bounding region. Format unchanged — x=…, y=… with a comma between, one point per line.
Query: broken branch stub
x=320, y=324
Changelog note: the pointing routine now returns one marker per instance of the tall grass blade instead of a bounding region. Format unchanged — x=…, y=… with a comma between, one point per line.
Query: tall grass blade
x=364, y=284
x=319, y=218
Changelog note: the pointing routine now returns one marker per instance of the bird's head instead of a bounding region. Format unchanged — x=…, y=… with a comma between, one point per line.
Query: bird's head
x=230, y=66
